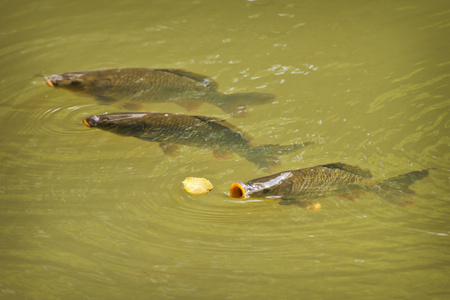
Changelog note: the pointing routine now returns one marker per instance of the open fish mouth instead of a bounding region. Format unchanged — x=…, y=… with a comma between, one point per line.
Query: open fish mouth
x=56, y=80
x=85, y=122
x=91, y=121
x=237, y=191
x=49, y=81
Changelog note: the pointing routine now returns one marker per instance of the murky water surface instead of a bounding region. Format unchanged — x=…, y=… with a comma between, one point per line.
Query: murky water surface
x=86, y=214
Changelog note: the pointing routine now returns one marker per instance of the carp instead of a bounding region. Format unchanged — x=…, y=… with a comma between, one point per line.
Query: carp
x=184, y=88
x=170, y=130
x=324, y=180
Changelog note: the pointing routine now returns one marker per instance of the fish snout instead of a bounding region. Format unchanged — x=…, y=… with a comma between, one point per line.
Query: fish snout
x=91, y=121
x=52, y=80
x=237, y=190
x=67, y=80
x=48, y=81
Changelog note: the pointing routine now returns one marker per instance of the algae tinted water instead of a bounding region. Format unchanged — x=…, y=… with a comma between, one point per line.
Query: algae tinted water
x=89, y=215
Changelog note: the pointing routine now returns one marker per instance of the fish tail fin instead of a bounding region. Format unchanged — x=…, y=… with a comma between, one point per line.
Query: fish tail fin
x=399, y=186
x=235, y=104
x=266, y=156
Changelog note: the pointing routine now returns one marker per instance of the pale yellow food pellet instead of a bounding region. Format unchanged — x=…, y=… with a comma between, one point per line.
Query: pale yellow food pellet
x=197, y=186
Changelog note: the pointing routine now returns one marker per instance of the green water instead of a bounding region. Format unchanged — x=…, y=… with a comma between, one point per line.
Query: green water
x=86, y=214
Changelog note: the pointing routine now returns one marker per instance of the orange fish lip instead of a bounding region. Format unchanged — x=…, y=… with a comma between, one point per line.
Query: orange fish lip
x=86, y=123
x=237, y=191
x=48, y=81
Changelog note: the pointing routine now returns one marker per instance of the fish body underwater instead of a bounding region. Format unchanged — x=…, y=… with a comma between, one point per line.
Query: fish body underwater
x=170, y=130
x=185, y=88
x=324, y=180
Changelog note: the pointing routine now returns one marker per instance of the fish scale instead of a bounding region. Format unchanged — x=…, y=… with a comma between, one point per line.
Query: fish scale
x=330, y=181
x=187, y=130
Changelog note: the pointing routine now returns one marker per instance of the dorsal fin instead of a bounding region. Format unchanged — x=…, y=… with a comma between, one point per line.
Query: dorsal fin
x=205, y=80
x=349, y=168
x=224, y=123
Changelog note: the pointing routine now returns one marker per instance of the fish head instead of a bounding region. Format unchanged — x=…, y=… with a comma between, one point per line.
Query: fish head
x=272, y=186
x=84, y=82
x=120, y=123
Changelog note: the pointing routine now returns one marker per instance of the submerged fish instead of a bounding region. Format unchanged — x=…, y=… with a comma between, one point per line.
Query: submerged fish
x=198, y=131
x=156, y=85
x=323, y=180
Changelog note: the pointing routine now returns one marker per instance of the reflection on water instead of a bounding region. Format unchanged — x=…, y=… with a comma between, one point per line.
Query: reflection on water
x=86, y=214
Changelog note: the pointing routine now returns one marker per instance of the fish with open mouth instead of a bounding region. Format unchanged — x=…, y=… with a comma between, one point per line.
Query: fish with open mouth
x=170, y=130
x=324, y=180
x=184, y=88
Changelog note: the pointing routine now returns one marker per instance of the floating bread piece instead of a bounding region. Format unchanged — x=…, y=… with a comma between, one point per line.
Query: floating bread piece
x=197, y=186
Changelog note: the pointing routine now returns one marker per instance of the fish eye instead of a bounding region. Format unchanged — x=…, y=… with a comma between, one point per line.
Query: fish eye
x=265, y=191
x=75, y=82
